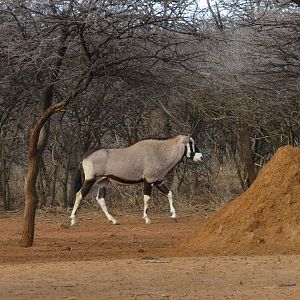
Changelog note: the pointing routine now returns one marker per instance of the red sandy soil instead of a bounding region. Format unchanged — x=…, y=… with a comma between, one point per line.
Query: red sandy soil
x=263, y=220
x=240, y=278
x=93, y=238
x=248, y=250
x=96, y=260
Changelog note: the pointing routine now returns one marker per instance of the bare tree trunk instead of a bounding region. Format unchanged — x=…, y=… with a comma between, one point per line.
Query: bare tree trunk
x=42, y=191
x=4, y=178
x=232, y=152
x=236, y=163
x=35, y=154
x=75, y=157
x=247, y=154
x=65, y=181
x=5, y=148
x=38, y=141
x=8, y=196
x=53, y=192
x=37, y=144
x=31, y=197
x=36, y=148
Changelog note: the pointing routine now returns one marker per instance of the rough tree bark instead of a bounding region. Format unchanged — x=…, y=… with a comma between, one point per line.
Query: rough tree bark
x=38, y=141
x=34, y=160
x=3, y=178
x=247, y=154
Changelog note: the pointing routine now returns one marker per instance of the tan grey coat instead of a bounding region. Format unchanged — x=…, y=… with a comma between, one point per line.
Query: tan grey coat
x=147, y=161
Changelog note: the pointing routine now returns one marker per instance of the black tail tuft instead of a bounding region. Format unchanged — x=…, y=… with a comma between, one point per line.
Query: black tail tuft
x=79, y=179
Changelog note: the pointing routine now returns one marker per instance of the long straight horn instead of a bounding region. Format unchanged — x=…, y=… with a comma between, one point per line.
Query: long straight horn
x=194, y=127
x=168, y=113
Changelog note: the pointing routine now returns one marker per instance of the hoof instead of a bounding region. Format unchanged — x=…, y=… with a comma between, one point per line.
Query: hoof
x=115, y=222
x=149, y=222
x=173, y=216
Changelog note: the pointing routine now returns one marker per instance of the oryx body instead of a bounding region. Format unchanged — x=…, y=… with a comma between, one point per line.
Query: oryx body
x=148, y=161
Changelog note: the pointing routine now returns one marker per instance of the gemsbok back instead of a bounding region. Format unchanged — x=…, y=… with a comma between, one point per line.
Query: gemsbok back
x=147, y=161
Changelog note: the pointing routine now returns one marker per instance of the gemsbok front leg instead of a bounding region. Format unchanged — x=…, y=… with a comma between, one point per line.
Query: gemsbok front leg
x=147, y=194
x=79, y=196
x=101, y=200
x=169, y=194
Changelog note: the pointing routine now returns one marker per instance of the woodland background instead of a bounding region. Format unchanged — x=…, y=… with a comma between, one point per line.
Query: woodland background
x=228, y=73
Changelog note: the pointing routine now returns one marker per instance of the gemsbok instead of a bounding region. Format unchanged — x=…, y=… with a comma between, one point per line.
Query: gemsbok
x=147, y=161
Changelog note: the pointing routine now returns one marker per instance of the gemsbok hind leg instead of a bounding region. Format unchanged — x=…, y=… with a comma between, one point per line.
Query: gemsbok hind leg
x=100, y=199
x=147, y=193
x=79, y=196
x=169, y=194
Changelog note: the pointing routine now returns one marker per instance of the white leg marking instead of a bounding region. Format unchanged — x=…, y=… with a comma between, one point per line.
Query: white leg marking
x=145, y=216
x=102, y=204
x=172, y=209
x=77, y=202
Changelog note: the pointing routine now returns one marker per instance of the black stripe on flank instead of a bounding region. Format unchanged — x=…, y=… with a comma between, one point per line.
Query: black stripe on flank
x=124, y=181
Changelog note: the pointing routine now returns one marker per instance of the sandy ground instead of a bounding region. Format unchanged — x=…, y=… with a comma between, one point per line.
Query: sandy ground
x=175, y=278
x=96, y=260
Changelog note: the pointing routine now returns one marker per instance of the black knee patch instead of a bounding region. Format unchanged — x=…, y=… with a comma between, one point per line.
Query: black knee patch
x=162, y=188
x=87, y=186
x=147, y=188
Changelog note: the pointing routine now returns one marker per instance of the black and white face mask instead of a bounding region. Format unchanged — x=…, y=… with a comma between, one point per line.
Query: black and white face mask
x=192, y=152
